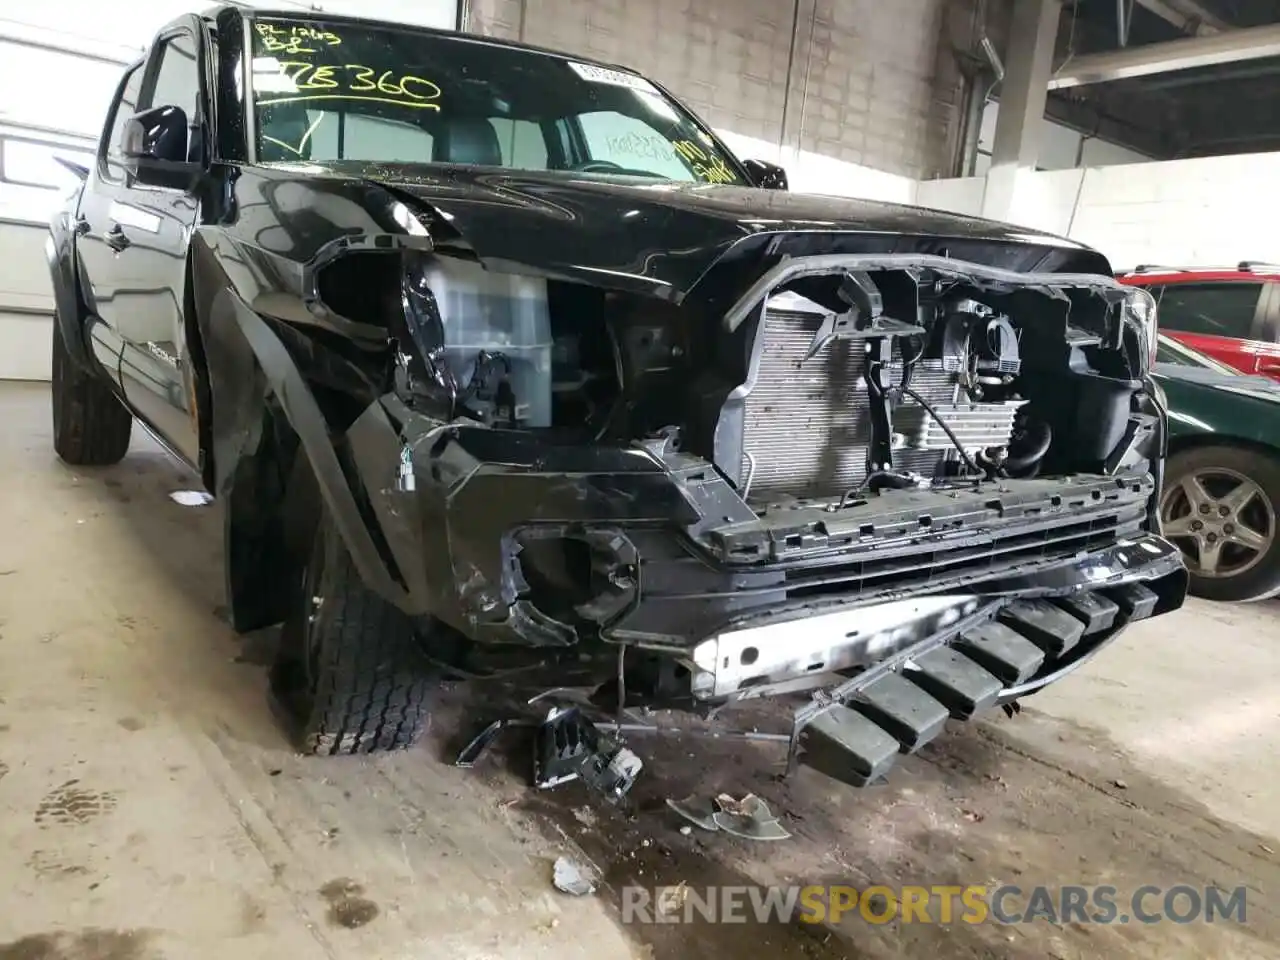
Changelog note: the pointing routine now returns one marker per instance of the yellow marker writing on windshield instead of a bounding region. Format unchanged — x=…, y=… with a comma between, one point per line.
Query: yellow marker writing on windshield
x=293, y=40
x=354, y=81
x=707, y=167
x=302, y=144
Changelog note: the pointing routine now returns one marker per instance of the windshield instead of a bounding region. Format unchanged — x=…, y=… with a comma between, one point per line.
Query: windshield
x=348, y=91
x=1171, y=351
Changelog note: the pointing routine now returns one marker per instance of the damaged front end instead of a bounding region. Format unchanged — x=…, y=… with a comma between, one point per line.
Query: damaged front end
x=906, y=486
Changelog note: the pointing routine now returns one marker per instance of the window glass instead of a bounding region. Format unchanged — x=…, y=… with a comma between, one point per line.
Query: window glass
x=521, y=142
x=1219, y=309
x=475, y=102
x=177, y=82
x=296, y=132
x=1169, y=350
x=123, y=109
x=629, y=142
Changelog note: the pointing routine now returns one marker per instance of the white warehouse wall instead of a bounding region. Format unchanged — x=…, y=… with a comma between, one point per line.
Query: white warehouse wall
x=1061, y=148
x=25, y=303
x=1208, y=211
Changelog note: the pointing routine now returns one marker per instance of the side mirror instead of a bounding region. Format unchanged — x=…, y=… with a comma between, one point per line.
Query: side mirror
x=766, y=176
x=154, y=144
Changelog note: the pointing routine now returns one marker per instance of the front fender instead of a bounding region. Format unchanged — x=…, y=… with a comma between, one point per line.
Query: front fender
x=237, y=427
x=60, y=251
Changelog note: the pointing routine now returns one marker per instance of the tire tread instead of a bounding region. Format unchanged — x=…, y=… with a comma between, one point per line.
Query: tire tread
x=371, y=693
x=91, y=427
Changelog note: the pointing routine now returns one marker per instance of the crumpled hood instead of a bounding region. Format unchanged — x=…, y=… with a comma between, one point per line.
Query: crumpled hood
x=660, y=238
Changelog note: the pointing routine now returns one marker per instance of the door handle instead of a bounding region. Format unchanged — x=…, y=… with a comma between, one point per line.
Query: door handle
x=116, y=238
x=81, y=226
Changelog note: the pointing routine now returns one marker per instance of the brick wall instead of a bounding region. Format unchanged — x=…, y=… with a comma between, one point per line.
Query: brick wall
x=862, y=74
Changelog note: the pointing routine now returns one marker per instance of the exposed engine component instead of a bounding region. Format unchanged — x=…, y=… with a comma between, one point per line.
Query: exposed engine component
x=1030, y=442
x=974, y=424
x=979, y=344
x=809, y=419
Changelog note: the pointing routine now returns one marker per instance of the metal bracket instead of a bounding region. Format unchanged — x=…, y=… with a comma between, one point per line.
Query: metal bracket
x=880, y=449
x=864, y=318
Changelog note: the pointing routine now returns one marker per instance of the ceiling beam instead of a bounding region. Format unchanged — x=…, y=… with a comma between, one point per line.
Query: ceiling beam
x=1197, y=11
x=1230, y=46
x=1199, y=26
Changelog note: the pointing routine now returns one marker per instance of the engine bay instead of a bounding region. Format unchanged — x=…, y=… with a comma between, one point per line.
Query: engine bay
x=840, y=384
x=829, y=378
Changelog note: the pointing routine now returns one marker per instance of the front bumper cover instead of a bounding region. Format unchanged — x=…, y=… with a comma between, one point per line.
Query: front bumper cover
x=453, y=505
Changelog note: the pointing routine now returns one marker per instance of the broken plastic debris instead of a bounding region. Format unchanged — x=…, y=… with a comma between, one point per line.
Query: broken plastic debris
x=749, y=828
x=191, y=498
x=739, y=808
x=570, y=877
x=472, y=751
x=697, y=811
x=569, y=747
x=749, y=818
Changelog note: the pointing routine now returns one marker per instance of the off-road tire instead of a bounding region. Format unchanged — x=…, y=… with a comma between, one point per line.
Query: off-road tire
x=1261, y=581
x=350, y=674
x=91, y=427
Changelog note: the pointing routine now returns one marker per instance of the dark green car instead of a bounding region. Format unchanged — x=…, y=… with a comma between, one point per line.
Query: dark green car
x=1222, y=484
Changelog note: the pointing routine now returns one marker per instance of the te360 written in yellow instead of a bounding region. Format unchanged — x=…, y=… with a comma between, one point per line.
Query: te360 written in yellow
x=353, y=81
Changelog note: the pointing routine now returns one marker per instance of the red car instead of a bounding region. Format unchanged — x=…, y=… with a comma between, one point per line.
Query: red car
x=1233, y=315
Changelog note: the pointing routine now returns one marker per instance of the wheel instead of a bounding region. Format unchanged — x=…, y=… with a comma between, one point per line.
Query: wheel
x=91, y=427
x=1219, y=506
x=349, y=674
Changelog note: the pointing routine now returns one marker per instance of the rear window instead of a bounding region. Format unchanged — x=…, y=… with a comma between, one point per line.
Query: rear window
x=1218, y=309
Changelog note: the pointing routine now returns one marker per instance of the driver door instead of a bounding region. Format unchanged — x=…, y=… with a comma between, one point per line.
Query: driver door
x=153, y=225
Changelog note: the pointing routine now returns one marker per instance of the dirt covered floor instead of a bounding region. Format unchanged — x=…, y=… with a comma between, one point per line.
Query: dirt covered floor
x=150, y=807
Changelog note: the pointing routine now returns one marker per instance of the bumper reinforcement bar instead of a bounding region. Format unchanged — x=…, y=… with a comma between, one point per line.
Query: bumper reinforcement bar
x=1005, y=649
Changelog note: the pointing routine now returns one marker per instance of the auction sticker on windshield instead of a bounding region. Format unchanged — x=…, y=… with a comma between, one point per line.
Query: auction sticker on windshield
x=589, y=71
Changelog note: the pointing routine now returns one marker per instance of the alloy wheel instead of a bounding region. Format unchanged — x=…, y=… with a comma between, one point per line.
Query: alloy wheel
x=1222, y=520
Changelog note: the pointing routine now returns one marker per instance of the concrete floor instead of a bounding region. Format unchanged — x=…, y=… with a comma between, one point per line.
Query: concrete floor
x=150, y=808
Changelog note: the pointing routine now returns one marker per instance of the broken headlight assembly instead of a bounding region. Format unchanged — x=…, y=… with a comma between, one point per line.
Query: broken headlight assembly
x=1138, y=316
x=481, y=340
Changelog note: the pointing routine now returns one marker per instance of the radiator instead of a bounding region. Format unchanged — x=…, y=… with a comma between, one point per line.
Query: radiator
x=807, y=423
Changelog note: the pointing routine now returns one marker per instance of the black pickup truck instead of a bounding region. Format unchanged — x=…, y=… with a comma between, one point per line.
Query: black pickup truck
x=501, y=363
